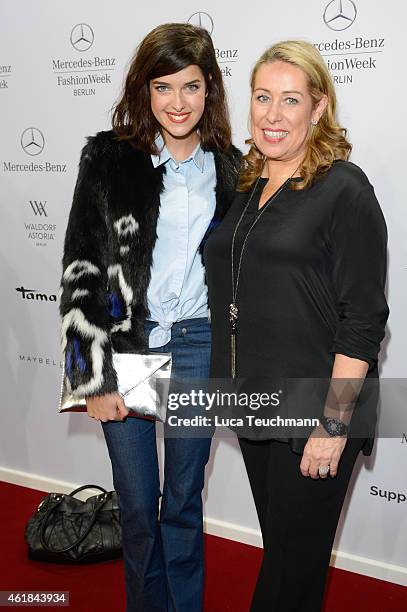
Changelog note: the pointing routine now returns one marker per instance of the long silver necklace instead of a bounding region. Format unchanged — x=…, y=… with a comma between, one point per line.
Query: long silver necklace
x=233, y=307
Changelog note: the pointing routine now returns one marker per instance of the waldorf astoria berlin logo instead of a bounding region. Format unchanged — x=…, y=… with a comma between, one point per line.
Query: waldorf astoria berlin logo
x=32, y=141
x=38, y=208
x=82, y=37
x=203, y=20
x=340, y=14
x=39, y=229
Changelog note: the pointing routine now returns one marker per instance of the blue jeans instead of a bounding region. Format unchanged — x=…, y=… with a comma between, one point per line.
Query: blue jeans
x=163, y=551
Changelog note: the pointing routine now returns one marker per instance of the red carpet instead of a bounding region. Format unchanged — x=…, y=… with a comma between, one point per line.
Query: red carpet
x=231, y=572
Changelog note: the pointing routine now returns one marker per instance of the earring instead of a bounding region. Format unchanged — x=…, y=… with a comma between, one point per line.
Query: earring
x=313, y=122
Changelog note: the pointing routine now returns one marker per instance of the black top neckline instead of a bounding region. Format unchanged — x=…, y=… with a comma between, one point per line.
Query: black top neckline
x=292, y=178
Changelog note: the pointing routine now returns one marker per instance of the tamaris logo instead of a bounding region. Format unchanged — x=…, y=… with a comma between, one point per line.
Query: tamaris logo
x=33, y=294
x=388, y=495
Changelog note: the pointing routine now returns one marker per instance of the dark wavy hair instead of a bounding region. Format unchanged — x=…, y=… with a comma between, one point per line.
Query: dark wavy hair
x=169, y=48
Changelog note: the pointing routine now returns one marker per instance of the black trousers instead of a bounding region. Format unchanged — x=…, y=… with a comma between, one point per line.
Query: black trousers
x=298, y=518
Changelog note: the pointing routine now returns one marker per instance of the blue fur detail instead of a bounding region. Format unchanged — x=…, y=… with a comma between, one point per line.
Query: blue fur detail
x=68, y=363
x=80, y=361
x=116, y=306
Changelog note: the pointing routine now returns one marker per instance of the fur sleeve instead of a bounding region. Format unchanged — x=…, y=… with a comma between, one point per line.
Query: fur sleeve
x=84, y=309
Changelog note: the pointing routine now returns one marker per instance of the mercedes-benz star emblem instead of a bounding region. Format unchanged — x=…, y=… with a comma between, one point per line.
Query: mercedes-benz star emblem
x=340, y=14
x=82, y=37
x=203, y=20
x=32, y=141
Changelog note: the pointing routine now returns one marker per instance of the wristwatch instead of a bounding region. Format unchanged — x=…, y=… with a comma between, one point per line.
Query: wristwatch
x=334, y=427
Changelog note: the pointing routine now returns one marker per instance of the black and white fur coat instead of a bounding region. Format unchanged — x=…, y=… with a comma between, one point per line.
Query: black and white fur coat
x=107, y=258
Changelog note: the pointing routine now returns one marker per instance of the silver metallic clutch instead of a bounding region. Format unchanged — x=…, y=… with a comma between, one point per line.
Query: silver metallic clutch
x=143, y=382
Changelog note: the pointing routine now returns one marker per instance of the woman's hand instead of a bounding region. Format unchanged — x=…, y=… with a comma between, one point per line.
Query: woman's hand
x=322, y=450
x=109, y=407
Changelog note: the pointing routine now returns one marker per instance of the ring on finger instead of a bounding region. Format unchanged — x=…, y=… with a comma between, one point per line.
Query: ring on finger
x=323, y=470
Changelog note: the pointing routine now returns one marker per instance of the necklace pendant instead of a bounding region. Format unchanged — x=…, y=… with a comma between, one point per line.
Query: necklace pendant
x=233, y=314
x=233, y=354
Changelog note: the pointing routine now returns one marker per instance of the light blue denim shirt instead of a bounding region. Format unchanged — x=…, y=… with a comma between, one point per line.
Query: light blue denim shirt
x=177, y=290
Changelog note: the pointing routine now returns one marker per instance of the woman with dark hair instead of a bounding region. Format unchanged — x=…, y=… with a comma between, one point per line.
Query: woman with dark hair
x=148, y=194
x=296, y=275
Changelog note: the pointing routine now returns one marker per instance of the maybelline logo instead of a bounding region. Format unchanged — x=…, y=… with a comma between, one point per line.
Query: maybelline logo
x=32, y=142
x=41, y=233
x=5, y=73
x=40, y=360
x=390, y=496
x=35, y=295
x=224, y=56
x=340, y=14
x=345, y=58
x=82, y=75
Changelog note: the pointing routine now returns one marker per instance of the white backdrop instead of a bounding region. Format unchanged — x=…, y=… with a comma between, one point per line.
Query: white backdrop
x=61, y=69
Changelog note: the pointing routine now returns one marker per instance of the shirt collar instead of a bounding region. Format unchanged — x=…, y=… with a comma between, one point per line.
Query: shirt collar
x=197, y=155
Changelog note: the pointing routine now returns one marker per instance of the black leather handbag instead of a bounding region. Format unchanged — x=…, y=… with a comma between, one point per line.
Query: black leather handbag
x=65, y=529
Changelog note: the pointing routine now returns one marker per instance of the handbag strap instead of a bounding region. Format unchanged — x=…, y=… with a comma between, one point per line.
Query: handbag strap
x=99, y=503
x=83, y=487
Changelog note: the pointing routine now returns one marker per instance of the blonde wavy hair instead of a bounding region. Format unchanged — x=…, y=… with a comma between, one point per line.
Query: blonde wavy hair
x=327, y=140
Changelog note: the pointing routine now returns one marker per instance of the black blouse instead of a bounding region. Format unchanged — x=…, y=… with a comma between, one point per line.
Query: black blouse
x=311, y=284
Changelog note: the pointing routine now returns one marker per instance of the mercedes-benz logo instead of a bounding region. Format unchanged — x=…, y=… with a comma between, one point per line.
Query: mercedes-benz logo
x=32, y=141
x=203, y=20
x=82, y=37
x=340, y=14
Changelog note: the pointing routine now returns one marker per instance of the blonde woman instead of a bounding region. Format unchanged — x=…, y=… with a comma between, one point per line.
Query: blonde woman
x=296, y=275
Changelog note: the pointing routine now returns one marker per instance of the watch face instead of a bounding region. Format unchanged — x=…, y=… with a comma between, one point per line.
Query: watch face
x=334, y=427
